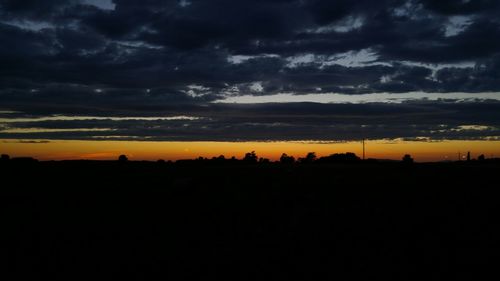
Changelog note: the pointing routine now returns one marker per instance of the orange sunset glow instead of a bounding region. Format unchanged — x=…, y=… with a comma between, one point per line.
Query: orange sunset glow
x=144, y=150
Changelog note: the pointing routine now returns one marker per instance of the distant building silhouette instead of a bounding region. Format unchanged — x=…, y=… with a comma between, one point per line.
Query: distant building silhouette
x=24, y=160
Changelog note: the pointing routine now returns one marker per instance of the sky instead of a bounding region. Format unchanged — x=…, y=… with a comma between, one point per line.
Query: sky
x=167, y=78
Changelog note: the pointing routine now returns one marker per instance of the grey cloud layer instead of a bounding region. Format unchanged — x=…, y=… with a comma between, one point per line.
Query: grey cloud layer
x=289, y=121
x=156, y=57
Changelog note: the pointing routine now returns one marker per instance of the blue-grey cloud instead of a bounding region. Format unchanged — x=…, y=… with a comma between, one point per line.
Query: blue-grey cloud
x=262, y=122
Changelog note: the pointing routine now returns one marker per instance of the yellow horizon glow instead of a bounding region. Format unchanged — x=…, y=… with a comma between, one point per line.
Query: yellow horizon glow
x=147, y=150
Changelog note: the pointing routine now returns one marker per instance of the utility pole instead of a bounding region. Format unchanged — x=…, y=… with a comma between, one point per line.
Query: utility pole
x=363, y=149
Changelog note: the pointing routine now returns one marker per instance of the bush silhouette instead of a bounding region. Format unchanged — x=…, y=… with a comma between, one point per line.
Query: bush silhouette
x=122, y=158
x=5, y=157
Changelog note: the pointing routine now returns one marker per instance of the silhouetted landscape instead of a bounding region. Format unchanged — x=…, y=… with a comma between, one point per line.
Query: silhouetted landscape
x=337, y=217
x=407, y=92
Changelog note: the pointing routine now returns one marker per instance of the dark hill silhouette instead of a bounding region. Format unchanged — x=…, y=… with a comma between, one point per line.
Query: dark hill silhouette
x=223, y=218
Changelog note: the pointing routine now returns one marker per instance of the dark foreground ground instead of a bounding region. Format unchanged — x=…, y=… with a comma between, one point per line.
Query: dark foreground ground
x=160, y=221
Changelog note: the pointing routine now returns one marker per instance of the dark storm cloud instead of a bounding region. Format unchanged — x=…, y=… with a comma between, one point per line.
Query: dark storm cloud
x=157, y=57
x=33, y=9
x=159, y=43
x=290, y=121
x=452, y=7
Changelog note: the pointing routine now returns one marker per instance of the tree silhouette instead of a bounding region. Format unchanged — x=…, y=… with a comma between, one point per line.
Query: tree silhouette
x=481, y=157
x=122, y=158
x=285, y=159
x=250, y=157
x=347, y=157
x=310, y=157
x=264, y=160
x=407, y=159
x=5, y=157
x=218, y=159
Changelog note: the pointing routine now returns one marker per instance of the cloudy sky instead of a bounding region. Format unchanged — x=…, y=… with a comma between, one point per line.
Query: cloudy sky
x=225, y=70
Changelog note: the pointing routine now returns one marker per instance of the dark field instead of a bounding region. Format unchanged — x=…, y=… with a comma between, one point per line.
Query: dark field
x=197, y=221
